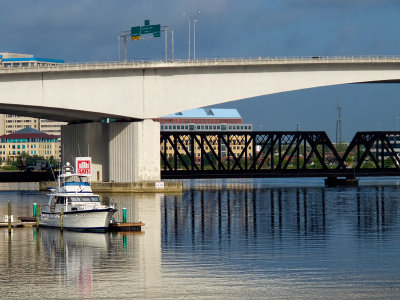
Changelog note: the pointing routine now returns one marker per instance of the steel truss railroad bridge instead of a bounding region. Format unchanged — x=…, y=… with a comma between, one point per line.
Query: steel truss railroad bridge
x=277, y=154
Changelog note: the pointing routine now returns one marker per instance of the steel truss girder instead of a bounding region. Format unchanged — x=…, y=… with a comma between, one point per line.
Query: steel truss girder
x=275, y=154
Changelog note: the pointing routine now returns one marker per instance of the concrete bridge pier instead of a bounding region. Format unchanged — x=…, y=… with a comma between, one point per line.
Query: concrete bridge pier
x=125, y=155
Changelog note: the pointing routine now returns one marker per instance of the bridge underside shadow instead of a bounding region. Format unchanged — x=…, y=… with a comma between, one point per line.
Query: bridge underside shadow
x=277, y=154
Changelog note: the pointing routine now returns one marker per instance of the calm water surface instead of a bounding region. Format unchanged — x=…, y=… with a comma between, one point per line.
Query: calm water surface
x=249, y=239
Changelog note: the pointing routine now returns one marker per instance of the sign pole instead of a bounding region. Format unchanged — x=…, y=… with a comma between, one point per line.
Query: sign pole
x=166, y=44
x=119, y=47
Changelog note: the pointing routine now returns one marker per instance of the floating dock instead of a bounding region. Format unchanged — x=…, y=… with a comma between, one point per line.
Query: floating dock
x=113, y=227
x=129, y=226
x=18, y=224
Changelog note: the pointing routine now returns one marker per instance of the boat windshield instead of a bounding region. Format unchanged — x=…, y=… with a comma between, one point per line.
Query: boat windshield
x=76, y=179
x=84, y=199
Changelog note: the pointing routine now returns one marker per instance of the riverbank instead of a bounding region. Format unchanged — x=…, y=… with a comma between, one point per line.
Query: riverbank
x=101, y=187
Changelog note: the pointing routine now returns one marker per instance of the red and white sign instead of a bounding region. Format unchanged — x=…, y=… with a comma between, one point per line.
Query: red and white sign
x=84, y=166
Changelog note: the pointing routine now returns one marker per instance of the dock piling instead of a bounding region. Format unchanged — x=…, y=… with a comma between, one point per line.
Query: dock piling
x=124, y=215
x=62, y=219
x=9, y=217
x=37, y=216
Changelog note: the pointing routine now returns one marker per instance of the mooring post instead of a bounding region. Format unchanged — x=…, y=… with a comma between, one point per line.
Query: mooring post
x=62, y=219
x=37, y=216
x=9, y=217
x=124, y=215
x=34, y=210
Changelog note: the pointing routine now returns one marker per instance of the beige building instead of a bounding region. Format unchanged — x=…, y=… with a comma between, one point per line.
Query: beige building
x=29, y=141
x=12, y=123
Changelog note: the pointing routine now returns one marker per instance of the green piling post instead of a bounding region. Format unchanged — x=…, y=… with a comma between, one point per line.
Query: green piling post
x=9, y=217
x=124, y=215
x=62, y=219
x=34, y=209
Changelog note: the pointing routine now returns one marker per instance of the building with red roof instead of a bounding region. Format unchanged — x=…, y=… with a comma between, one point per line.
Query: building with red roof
x=29, y=141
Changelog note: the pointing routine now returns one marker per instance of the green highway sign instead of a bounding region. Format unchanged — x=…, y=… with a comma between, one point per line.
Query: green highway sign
x=135, y=31
x=150, y=29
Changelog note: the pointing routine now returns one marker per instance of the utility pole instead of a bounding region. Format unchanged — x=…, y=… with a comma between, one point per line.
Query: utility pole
x=339, y=124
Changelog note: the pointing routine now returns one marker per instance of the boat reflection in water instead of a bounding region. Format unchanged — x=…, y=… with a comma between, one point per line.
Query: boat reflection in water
x=74, y=255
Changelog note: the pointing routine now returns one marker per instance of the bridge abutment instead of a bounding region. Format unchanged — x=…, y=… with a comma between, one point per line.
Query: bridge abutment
x=121, y=151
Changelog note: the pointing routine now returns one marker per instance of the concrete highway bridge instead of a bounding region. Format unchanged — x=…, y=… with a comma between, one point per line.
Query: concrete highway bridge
x=132, y=94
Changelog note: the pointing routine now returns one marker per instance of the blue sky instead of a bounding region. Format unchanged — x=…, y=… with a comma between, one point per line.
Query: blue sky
x=87, y=30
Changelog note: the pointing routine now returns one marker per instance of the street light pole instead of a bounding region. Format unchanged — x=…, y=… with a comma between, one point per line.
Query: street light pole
x=194, y=35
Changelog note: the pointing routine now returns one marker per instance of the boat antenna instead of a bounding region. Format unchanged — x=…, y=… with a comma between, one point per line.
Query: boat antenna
x=62, y=153
x=52, y=172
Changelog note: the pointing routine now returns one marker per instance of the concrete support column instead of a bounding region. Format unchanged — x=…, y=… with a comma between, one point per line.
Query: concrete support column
x=120, y=151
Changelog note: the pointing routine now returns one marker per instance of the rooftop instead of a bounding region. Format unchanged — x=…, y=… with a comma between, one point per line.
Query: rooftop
x=20, y=57
x=230, y=113
x=28, y=132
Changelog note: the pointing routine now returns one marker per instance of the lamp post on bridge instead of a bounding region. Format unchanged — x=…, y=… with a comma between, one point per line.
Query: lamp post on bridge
x=194, y=33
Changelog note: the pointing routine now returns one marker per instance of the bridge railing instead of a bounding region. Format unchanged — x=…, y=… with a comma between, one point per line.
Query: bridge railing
x=273, y=154
x=256, y=60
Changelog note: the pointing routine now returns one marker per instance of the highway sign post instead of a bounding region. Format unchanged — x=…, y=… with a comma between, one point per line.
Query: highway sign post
x=146, y=31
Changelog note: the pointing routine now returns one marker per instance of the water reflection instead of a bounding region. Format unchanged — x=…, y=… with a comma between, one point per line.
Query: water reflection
x=73, y=255
x=247, y=242
x=78, y=265
x=247, y=214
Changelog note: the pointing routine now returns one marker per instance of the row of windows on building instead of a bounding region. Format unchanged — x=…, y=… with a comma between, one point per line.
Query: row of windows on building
x=26, y=146
x=32, y=152
x=33, y=140
x=206, y=127
x=25, y=64
x=21, y=121
x=206, y=148
x=199, y=120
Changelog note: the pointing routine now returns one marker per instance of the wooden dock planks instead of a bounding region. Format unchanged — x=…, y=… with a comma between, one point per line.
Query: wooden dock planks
x=129, y=226
x=18, y=224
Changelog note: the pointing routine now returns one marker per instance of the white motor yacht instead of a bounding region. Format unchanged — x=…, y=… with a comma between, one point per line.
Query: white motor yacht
x=73, y=205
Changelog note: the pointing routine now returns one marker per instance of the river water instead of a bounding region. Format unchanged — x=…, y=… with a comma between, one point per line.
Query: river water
x=226, y=239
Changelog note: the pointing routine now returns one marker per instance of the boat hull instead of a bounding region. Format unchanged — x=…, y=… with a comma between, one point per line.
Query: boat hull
x=84, y=220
